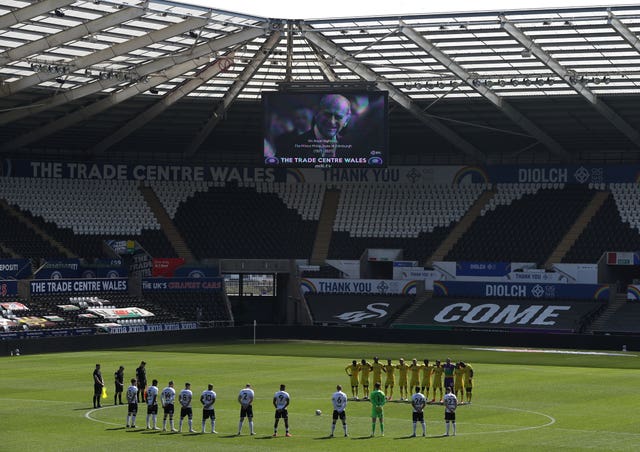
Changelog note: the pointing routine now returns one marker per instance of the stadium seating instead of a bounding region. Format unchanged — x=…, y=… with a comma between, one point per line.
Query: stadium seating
x=607, y=231
x=242, y=223
x=523, y=224
x=413, y=217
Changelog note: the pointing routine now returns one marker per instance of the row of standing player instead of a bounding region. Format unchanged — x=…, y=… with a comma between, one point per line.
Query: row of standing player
x=458, y=376
x=378, y=400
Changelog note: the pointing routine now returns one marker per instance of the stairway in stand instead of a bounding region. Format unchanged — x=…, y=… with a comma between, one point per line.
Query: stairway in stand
x=166, y=223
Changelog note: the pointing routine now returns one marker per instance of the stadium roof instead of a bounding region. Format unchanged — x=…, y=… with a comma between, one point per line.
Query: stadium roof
x=64, y=63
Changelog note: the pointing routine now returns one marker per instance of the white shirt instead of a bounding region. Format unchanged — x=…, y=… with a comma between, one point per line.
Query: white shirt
x=246, y=396
x=132, y=394
x=282, y=399
x=208, y=398
x=152, y=395
x=418, y=401
x=168, y=396
x=185, y=398
x=339, y=400
x=450, y=403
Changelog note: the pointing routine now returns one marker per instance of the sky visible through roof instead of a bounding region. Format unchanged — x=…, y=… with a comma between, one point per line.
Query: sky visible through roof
x=289, y=9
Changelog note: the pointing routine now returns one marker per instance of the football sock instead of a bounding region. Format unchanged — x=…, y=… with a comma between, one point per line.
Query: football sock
x=454, y=428
x=251, y=426
x=414, y=429
x=333, y=428
x=424, y=428
x=447, y=431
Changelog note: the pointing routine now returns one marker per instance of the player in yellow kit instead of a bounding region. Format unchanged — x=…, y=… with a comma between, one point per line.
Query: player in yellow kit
x=390, y=379
x=377, y=368
x=437, y=381
x=353, y=370
x=365, y=369
x=414, y=371
x=458, y=383
x=427, y=371
x=468, y=379
x=403, y=369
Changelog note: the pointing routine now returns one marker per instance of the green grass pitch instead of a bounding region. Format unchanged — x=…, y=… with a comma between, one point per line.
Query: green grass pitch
x=522, y=400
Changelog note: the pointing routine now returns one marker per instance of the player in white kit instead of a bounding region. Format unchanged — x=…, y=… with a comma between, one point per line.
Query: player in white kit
x=245, y=399
x=152, y=405
x=132, y=403
x=208, y=398
x=450, y=402
x=185, y=398
x=418, y=402
x=168, y=397
x=281, y=401
x=339, y=401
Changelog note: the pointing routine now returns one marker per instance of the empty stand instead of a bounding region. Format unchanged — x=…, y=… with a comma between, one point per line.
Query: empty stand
x=609, y=230
x=522, y=223
x=240, y=222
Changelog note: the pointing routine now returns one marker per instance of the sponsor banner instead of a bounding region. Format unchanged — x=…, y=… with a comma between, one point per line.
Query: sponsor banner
x=521, y=290
x=46, y=333
x=79, y=286
x=14, y=306
x=358, y=286
x=8, y=288
x=464, y=268
x=15, y=268
x=355, y=310
x=6, y=323
x=405, y=263
x=154, y=327
x=182, y=284
x=122, y=247
x=418, y=274
x=142, y=264
x=563, y=174
x=633, y=292
x=622, y=258
x=69, y=307
x=166, y=266
x=121, y=313
x=35, y=322
x=59, y=269
x=140, y=172
x=538, y=276
x=445, y=174
x=103, y=272
x=187, y=271
x=563, y=316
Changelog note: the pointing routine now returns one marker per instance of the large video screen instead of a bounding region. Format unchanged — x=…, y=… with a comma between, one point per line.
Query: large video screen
x=325, y=130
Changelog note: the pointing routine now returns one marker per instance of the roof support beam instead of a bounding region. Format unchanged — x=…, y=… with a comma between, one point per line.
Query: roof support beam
x=71, y=34
x=31, y=11
x=398, y=96
x=233, y=92
x=488, y=94
x=624, y=31
x=105, y=54
x=144, y=70
x=170, y=69
x=180, y=91
x=629, y=131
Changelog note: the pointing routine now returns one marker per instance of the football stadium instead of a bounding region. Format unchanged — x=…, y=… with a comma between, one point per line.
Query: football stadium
x=220, y=230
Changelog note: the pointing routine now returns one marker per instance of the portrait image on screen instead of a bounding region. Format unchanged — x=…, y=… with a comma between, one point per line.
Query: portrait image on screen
x=325, y=130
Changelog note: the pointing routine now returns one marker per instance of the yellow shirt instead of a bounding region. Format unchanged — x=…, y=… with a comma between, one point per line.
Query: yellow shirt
x=377, y=372
x=403, y=369
x=437, y=375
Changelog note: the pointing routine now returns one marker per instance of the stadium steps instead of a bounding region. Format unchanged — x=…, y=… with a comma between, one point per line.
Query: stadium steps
x=325, y=227
x=577, y=228
x=610, y=311
x=415, y=306
x=459, y=229
x=36, y=229
x=8, y=251
x=168, y=227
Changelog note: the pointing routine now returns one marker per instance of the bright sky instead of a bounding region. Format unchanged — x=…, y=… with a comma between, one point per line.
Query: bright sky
x=315, y=9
